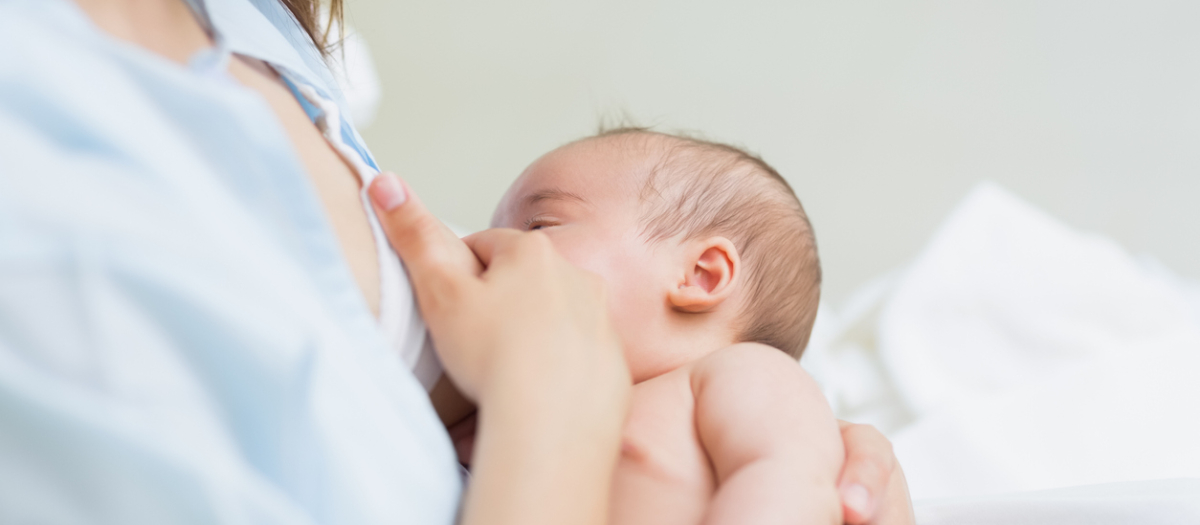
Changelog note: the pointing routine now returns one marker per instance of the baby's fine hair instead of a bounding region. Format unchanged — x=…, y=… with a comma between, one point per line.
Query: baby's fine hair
x=701, y=188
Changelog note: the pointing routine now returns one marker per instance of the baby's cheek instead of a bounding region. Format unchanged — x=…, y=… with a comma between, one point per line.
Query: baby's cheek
x=635, y=294
x=572, y=247
x=635, y=305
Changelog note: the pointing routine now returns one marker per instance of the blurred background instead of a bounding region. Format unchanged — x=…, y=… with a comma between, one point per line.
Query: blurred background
x=997, y=335
x=881, y=114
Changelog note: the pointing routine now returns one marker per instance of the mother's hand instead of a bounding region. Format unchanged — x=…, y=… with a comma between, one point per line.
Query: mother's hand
x=526, y=335
x=499, y=302
x=872, y=484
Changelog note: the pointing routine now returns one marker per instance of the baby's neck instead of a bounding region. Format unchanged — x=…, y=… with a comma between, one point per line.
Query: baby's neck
x=682, y=342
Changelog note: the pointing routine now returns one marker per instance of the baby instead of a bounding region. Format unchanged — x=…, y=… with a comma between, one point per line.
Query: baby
x=713, y=281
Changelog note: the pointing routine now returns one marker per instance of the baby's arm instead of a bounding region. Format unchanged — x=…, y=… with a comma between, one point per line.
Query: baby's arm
x=771, y=436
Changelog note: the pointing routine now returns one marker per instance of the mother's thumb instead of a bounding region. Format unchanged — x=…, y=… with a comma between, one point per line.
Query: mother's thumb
x=434, y=255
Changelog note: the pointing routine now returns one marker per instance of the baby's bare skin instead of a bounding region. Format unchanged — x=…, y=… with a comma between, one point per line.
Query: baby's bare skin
x=664, y=475
x=720, y=432
x=740, y=436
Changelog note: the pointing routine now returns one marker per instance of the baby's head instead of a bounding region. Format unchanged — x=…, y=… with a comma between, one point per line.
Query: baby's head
x=702, y=245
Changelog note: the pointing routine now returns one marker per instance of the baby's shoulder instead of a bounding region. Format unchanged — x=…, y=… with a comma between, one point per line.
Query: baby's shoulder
x=745, y=361
x=751, y=373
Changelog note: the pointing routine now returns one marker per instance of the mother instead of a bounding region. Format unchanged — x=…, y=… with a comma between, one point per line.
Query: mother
x=189, y=287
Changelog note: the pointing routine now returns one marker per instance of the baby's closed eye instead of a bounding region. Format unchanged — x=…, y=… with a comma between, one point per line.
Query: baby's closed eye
x=540, y=222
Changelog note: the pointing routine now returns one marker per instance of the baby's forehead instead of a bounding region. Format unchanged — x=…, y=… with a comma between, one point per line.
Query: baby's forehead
x=630, y=158
x=598, y=171
x=611, y=162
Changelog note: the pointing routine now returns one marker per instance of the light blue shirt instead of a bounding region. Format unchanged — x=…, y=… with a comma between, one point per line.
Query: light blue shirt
x=180, y=338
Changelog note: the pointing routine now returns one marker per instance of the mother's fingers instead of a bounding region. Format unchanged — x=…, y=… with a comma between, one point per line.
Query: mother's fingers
x=437, y=260
x=485, y=243
x=500, y=243
x=868, y=475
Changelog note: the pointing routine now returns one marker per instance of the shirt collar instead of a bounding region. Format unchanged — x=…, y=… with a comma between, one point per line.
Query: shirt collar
x=266, y=30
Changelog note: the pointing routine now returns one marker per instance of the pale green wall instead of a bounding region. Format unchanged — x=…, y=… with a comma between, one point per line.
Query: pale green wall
x=881, y=114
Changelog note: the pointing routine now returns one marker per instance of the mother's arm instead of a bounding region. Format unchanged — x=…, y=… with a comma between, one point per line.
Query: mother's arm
x=526, y=335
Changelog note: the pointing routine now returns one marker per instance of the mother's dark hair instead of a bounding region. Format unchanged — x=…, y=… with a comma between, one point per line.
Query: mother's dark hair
x=308, y=13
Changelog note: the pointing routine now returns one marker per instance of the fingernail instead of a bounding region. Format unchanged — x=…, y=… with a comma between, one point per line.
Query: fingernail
x=858, y=498
x=387, y=192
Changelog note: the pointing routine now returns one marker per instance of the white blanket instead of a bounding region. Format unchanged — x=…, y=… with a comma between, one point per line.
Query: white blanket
x=1017, y=354
x=1131, y=503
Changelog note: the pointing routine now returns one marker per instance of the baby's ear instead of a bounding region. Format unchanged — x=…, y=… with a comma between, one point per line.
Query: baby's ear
x=710, y=267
